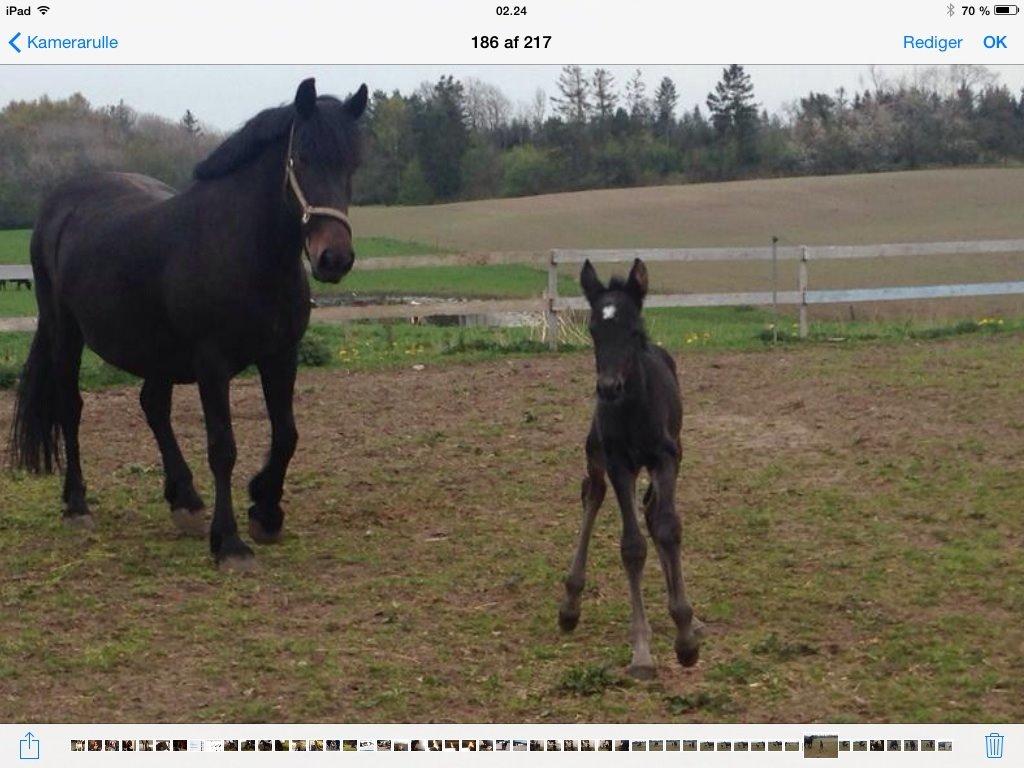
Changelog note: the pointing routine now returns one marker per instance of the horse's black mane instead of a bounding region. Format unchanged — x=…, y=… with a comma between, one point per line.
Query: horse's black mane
x=330, y=133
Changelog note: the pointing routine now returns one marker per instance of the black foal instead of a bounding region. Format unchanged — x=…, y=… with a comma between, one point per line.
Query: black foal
x=636, y=426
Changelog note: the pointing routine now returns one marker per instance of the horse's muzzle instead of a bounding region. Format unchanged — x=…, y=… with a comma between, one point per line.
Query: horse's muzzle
x=610, y=389
x=333, y=265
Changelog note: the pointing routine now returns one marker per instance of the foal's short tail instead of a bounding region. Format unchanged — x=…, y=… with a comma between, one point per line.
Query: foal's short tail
x=35, y=431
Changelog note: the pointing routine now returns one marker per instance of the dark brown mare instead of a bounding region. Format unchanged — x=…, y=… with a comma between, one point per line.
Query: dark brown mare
x=636, y=425
x=192, y=286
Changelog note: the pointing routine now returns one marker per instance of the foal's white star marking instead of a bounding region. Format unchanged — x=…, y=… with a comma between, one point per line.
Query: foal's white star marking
x=608, y=312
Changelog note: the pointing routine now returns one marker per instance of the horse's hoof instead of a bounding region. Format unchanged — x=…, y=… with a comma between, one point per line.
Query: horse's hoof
x=567, y=621
x=261, y=535
x=82, y=522
x=641, y=671
x=237, y=563
x=191, y=522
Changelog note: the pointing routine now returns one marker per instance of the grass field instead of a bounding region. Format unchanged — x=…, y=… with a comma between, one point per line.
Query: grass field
x=948, y=204
x=375, y=346
x=852, y=537
x=934, y=205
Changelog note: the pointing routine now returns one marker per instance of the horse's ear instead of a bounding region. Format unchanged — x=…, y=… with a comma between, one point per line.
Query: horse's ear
x=636, y=284
x=305, y=98
x=356, y=103
x=590, y=282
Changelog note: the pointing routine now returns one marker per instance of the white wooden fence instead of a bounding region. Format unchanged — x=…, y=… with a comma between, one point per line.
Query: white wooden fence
x=551, y=303
x=802, y=296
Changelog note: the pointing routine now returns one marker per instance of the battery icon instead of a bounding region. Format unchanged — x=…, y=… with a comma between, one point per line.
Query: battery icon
x=1006, y=10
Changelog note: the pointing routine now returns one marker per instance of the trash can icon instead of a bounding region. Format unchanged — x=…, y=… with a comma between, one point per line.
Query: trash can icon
x=994, y=745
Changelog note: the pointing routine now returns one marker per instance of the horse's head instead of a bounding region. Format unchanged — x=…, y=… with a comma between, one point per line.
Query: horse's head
x=323, y=155
x=615, y=326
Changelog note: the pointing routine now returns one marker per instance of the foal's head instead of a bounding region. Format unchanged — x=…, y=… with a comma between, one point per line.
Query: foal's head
x=616, y=326
x=324, y=155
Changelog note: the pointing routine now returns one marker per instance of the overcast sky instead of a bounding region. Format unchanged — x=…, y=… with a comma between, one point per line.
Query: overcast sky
x=225, y=96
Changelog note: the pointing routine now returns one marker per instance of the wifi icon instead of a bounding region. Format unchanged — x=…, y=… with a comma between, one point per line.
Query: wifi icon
x=43, y=9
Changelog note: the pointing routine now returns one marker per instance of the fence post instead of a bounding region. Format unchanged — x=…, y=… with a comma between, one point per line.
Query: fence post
x=775, y=289
x=804, y=331
x=551, y=296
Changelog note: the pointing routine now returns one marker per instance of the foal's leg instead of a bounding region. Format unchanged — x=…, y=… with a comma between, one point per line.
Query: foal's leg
x=66, y=364
x=179, y=489
x=227, y=547
x=634, y=555
x=265, y=515
x=664, y=526
x=592, y=494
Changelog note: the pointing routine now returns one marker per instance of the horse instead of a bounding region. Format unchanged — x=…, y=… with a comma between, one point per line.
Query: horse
x=192, y=287
x=636, y=425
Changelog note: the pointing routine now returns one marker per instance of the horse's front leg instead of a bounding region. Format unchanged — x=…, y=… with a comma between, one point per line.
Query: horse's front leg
x=266, y=517
x=633, y=548
x=592, y=494
x=227, y=547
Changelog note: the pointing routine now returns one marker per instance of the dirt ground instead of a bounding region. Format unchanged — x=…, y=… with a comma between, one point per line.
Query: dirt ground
x=852, y=538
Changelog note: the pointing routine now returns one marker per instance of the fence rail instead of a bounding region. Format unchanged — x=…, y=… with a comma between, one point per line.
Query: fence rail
x=551, y=303
x=803, y=296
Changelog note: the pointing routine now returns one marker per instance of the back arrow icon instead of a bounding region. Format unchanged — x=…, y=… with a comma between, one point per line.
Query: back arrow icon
x=13, y=44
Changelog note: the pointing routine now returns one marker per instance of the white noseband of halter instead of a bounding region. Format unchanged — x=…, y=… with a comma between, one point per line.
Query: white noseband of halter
x=309, y=211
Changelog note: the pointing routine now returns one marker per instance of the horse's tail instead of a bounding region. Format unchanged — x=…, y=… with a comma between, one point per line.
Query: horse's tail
x=35, y=431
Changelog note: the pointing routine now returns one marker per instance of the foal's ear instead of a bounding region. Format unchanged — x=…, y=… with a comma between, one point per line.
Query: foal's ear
x=356, y=103
x=590, y=282
x=636, y=283
x=305, y=98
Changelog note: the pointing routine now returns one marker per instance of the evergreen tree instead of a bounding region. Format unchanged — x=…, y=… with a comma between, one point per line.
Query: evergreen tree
x=190, y=123
x=605, y=98
x=732, y=104
x=734, y=114
x=665, y=99
x=442, y=137
x=574, y=103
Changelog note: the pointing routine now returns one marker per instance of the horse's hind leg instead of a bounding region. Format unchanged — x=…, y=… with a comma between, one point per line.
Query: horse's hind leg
x=592, y=494
x=666, y=530
x=266, y=518
x=633, y=548
x=67, y=361
x=179, y=489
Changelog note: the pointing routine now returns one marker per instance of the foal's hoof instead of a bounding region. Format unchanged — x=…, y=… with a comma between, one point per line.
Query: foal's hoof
x=261, y=535
x=687, y=653
x=688, y=647
x=82, y=522
x=641, y=671
x=567, y=621
x=191, y=522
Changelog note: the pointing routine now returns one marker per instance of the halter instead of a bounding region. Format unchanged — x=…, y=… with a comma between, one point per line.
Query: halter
x=308, y=211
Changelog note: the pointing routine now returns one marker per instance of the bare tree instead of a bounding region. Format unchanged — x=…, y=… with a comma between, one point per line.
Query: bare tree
x=487, y=108
x=636, y=98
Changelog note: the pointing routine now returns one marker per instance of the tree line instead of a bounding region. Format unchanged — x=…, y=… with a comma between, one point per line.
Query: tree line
x=465, y=139
x=44, y=141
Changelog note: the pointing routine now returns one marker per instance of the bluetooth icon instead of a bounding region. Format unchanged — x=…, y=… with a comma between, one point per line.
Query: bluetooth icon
x=951, y=9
